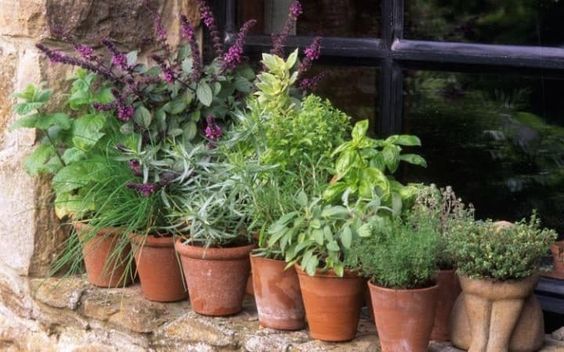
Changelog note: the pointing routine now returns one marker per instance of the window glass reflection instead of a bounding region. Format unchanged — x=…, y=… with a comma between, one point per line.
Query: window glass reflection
x=499, y=140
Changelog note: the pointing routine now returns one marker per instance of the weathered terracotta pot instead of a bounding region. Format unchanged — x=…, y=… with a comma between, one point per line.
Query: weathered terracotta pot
x=158, y=268
x=277, y=294
x=216, y=277
x=448, y=292
x=404, y=318
x=105, y=266
x=557, y=249
x=492, y=316
x=332, y=304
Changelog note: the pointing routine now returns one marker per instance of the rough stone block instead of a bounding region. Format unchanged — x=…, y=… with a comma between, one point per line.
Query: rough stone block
x=23, y=18
x=60, y=292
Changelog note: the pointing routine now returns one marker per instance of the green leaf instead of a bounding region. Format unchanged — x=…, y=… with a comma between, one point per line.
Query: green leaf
x=58, y=119
x=35, y=163
x=243, y=85
x=187, y=65
x=143, y=116
x=72, y=177
x=28, y=93
x=365, y=230
x=72, y=155
x=26, y=108
x=414, y=159
x=346, y=237
x=104, y=96
x=311, y=265
x=302, y=199
x=359, y=130
x=177, y=106
x=25, y=122
x=292, y=59
x=204, y=94
x=190, y=130
x=317, y=235
x=404, y=139
x=339, y=270
x=127, y=128
x=132, y=58
x=333, y=246
x=87, y=130
x=335, y=211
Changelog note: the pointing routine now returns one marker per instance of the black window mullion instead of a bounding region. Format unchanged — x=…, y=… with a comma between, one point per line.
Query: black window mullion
x=390, y=90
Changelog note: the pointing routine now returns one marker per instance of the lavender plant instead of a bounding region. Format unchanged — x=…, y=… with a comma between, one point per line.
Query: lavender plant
x=175, y=99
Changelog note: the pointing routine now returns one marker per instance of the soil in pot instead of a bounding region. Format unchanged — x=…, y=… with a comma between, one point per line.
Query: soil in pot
x=277, y=294
x=497, y=316
x=216, y=277
x=332, y=304
x=158, y=268
x=448, y=291
x=404, y=318
x=105, y=263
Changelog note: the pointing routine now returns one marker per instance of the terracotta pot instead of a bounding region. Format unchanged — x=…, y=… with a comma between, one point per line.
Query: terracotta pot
x=249, y=289
x=404, y=318
x=497, y=316
x=158, y=268
x=216, y=277
x=277, y=294
x=332, y=304
x=105, y=267
x=449, y=289
x=557, y=249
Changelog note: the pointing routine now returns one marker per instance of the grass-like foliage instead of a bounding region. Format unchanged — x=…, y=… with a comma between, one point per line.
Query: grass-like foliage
x=400, y=257
x=487, y=250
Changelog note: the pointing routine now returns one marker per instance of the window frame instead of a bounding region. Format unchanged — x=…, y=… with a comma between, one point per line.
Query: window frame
x=392, y=54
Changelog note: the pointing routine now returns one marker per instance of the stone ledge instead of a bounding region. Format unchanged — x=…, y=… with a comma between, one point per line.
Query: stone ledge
x=76, y=316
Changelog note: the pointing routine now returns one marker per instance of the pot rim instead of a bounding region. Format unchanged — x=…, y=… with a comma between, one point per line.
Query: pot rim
x=213, y=253
x=378, y=287
x=532, y=277
x=260, y=257
x=348, y=274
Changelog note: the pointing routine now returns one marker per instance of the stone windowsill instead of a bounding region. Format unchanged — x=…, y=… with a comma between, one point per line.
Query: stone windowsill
x=87, y=318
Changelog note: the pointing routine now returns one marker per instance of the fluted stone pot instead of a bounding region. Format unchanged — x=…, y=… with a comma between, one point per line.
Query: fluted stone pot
x=497, y=316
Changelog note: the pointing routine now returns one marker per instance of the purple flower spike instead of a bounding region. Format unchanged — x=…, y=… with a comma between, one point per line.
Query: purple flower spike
x=145, y=189
x=296, y=9
x=311, y=84
x=125, y=112
x=84, y=51
x=187, y=32
x=234, y=55
x=160, y=31
x=168, y=75
x=207, y=17
x=120, y=60
x=311, y=54
x=135, y=166
x=279, y=40
x=212, y=131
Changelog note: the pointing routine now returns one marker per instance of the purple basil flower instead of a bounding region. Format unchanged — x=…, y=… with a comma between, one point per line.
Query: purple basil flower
x=125, y=112
x=212, y=131
x=208, y=18
x=120, y=60
x=234, y=55
x=279, y=40
x=145, y=189
x=168, y=75
x=296, y=9
x=310, y=84
x=160, y=31
x=85, y=51
x=311, y=54
x=135, y=166
x=104, y=107
x=187, y=32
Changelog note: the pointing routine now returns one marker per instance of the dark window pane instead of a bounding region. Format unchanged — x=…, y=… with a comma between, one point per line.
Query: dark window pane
x=330, y=18
x=520, y=22
x=497, y=139
x=351, y=89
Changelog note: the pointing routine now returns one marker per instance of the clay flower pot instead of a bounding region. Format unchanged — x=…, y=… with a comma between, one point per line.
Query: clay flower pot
x=332, y=304
x=277, y=294
x=404, y=318
x=105, y=267
x=557, y=249
x=494, y=309
x=158, y=268
x=448, y=292
x=216, y=277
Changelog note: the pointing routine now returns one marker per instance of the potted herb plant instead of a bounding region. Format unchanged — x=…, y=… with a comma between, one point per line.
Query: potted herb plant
x=74, y=150
x=440, y=209
x=212, y=218
x=400, y=262
x=320, y=233
x=161, y=105
x=498, y=269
